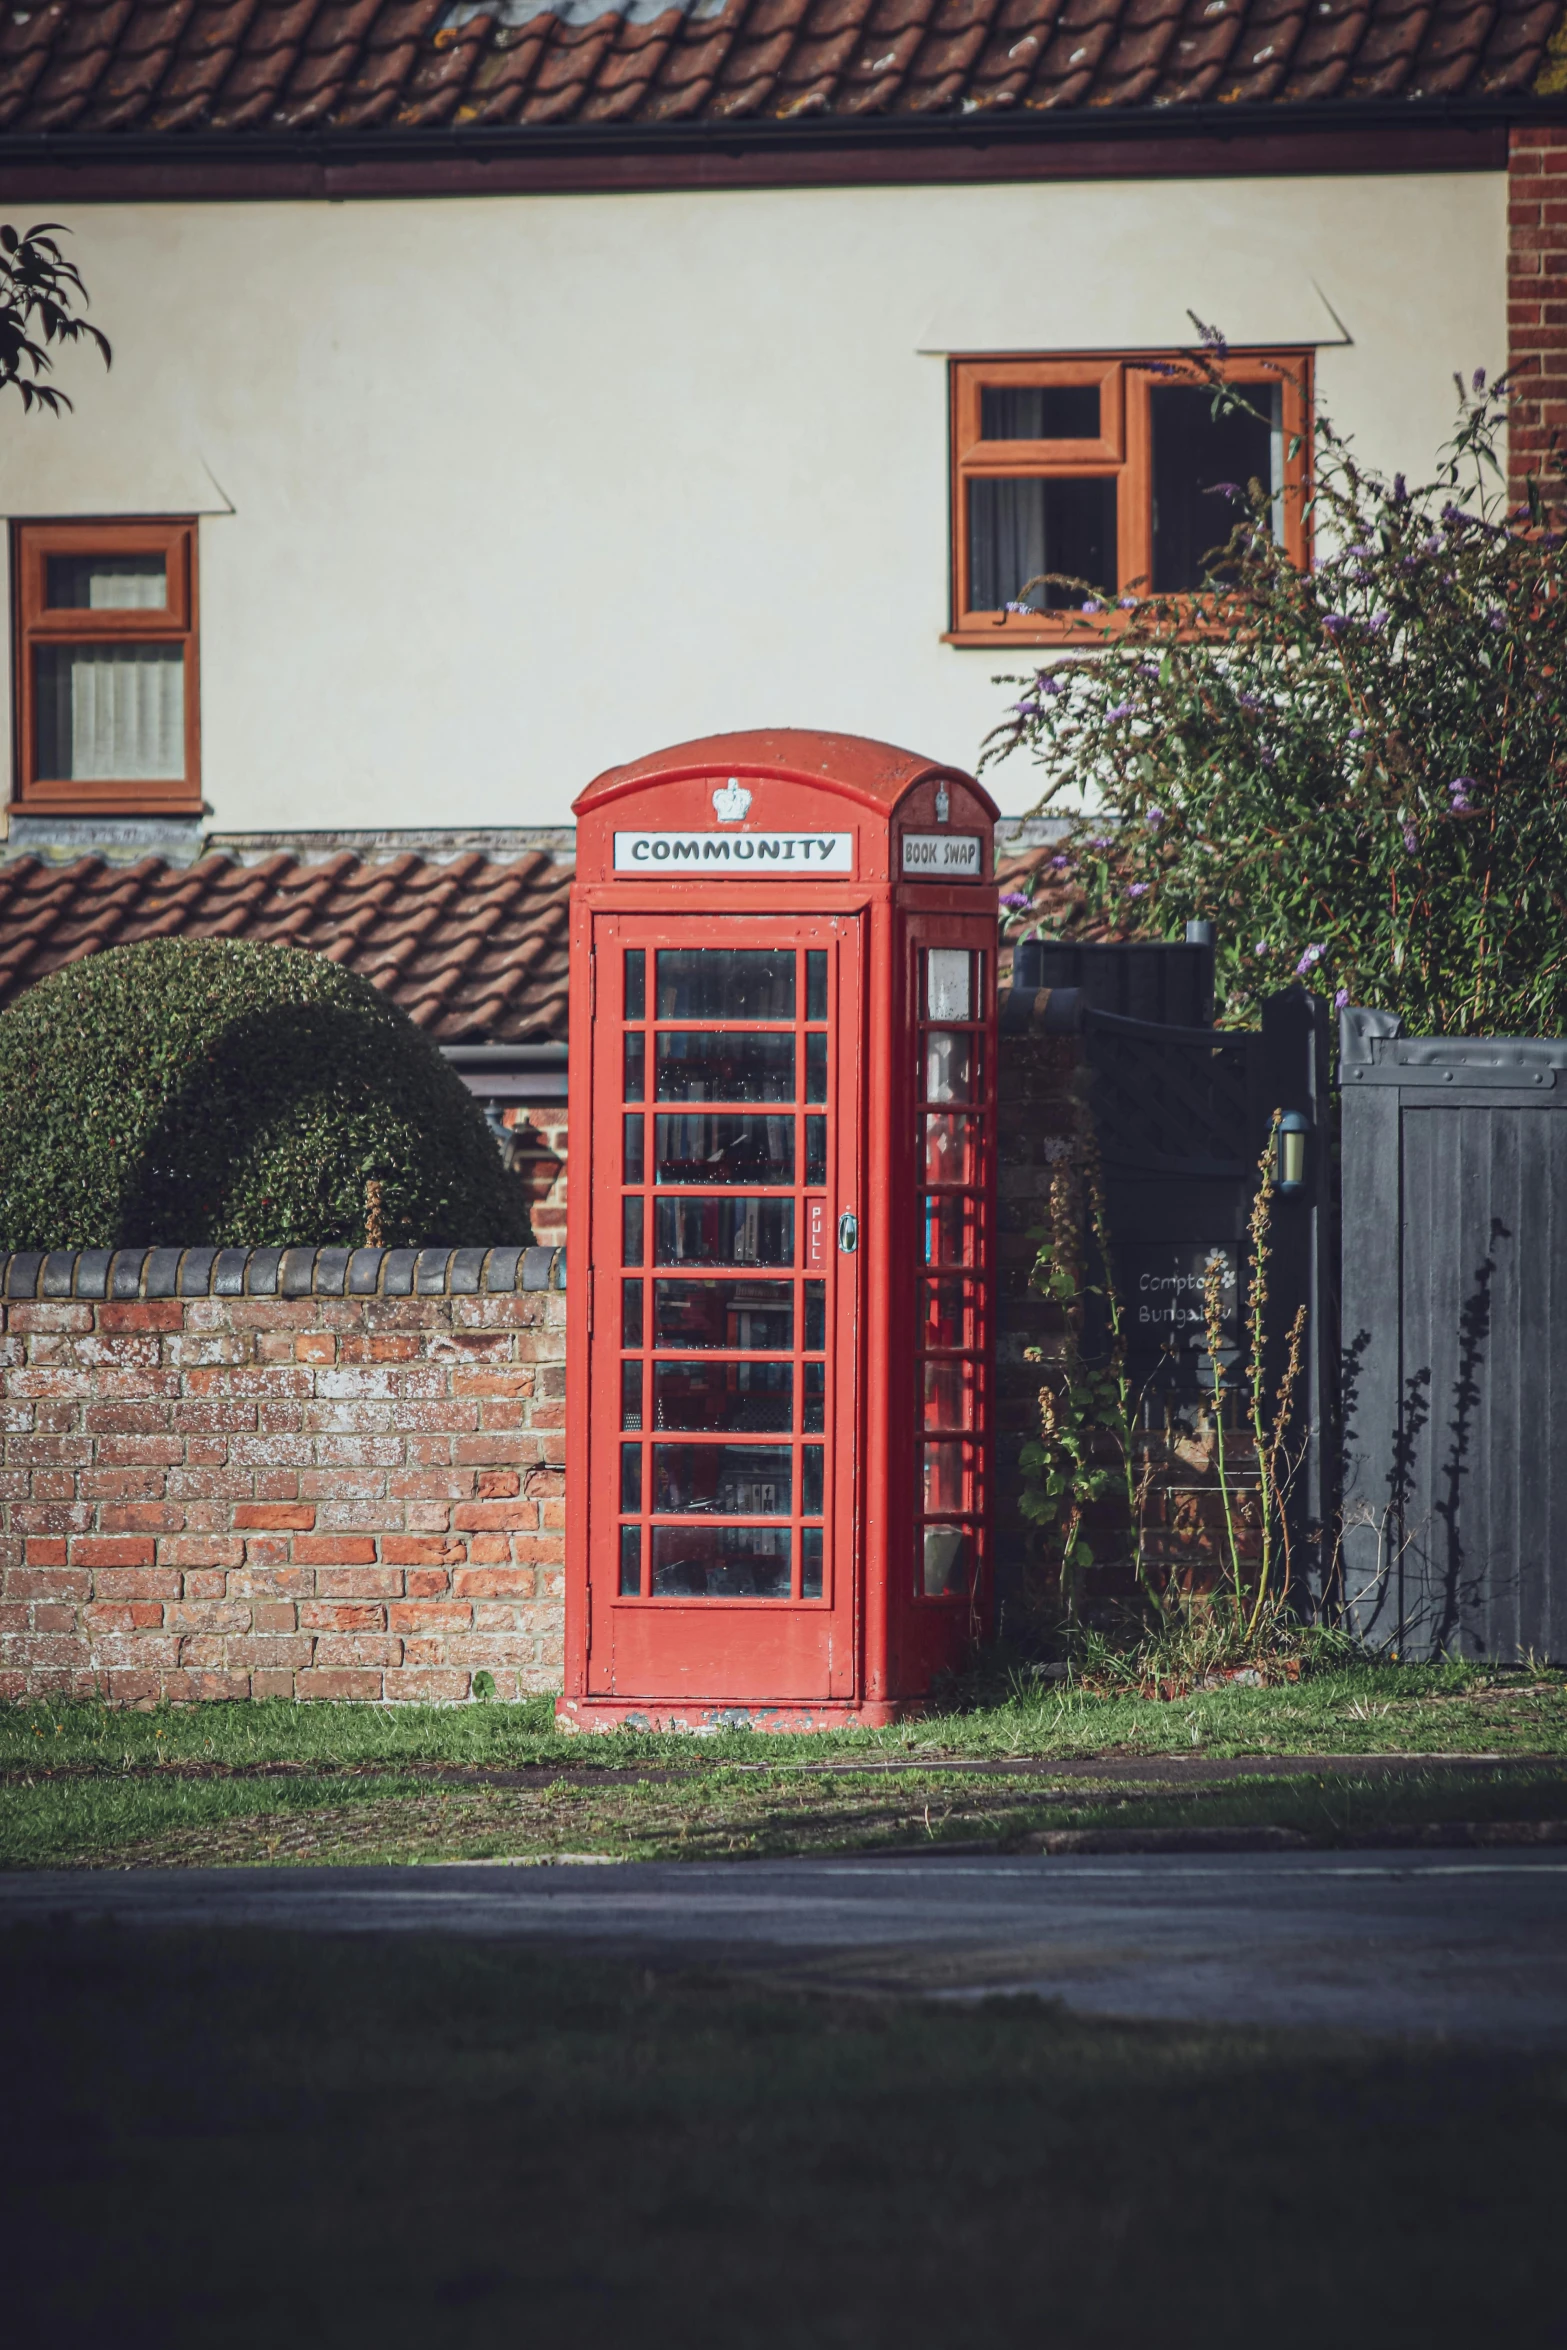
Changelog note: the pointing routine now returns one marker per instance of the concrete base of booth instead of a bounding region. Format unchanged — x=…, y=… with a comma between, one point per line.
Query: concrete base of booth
x=706, y=1720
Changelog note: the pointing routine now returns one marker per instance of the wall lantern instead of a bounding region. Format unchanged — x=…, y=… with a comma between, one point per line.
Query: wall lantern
x=1289, y=1155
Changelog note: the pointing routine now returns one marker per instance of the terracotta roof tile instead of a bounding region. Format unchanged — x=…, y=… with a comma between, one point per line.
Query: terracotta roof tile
x=1057, y=910
x=171, y=66
x=471, y=946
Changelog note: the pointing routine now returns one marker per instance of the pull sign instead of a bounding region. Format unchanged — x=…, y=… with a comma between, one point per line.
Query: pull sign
x=941, y=856
x=815, y=1233
x=848, y=1232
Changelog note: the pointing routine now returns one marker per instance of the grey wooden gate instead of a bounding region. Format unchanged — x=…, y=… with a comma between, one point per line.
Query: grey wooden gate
x=1454, y=1322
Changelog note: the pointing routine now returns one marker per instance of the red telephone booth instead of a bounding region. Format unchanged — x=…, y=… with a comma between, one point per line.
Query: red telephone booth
x=781, y=1230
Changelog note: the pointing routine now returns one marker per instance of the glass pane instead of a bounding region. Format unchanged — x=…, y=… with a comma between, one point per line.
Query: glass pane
x=1039, y=412
x=949, y=984
x=755, y=1315
x=747, y=1397
x=949, y=1395
x=951, y=1317
x=724, y=1232
x=720, y=1562
x=816, y=1066
x=633, y=1150
x=811, y=1481
x=946, y=1477
x=705, y=1065
x=816, y=983
x=950, y=1229
x=631, y=1313
x=949, y=1147
x=636, y=983
x=724, y=1150
x=815, y=1316
x=631, y=1476
x=723, y=1480
x=636, y=1066
x=630, y=1562
x=631, y=1395
x=946, y=1560
x=726, y=983
x=815, y=1150
x=110, y=713
x=1197, y=459
x=106, y=583
x=951, y=1059
x=1018, y=530
x=815, y=1379
x=631, y=1231
x=811, y=1563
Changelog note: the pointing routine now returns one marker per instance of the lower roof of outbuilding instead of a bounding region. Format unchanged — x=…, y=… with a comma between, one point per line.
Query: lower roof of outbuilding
x=469, y=940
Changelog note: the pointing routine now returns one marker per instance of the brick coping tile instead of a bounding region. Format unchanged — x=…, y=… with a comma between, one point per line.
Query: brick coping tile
x=172, y=1272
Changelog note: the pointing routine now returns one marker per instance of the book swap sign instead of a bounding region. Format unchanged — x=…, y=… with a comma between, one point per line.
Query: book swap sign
x=942, y=856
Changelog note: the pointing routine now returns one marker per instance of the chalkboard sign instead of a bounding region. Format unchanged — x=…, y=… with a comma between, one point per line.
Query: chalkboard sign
x=1161, y=1290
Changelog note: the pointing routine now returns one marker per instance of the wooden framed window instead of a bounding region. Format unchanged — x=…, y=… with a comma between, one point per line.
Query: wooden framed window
x=1106, y=467
x=107, y=686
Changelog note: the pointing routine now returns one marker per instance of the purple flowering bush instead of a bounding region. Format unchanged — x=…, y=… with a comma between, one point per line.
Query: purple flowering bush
x=1358, y=771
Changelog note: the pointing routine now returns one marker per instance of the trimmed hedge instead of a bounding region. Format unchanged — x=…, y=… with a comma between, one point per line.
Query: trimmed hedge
x=191, y=1091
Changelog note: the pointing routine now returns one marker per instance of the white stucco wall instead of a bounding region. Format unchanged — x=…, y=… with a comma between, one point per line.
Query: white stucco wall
x=524, y=486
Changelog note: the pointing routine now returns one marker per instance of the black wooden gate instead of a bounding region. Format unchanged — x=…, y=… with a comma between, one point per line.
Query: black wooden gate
x=1182, y=1113
x=1454, y=1340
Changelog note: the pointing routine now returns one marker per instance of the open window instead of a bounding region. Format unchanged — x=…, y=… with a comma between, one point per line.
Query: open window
x=106, y=690
x=1114, y=471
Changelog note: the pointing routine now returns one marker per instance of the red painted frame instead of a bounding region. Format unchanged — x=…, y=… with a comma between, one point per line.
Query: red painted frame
x=868, y=1650
x=784, y=1649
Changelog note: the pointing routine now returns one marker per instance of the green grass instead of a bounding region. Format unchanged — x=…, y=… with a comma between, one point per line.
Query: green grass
x=229, y=1783
x=253, y=2139
x=384, y=1817
x=1366, y=1709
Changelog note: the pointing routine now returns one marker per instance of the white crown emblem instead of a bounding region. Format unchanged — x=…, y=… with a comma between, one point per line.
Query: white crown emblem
x=730, y=802
x=943, y=803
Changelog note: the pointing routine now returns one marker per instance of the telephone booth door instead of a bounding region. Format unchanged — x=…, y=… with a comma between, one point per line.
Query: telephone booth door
x=728, y=1145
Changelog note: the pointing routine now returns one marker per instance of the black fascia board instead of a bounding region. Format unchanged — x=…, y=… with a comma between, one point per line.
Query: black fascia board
x=820, y=133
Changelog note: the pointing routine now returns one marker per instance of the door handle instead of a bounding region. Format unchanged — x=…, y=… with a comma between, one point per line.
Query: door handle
x=848, y=1232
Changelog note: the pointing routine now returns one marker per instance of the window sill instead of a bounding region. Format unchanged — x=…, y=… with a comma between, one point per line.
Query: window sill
x=997, y=640
x=108, y=799
x=1203, y=623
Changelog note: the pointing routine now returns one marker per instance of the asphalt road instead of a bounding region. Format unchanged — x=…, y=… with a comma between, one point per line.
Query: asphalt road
x=1462, y=1946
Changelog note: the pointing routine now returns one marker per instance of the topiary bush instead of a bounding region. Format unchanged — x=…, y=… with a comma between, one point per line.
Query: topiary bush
x=192, y=1091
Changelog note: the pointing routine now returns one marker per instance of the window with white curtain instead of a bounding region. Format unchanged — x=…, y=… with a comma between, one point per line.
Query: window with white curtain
x=106, y=681
x=1082, y=482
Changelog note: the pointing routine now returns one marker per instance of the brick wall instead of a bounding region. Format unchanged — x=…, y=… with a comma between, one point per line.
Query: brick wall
x=538, y=1134
x=281, y=1474
x=1536, y=295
